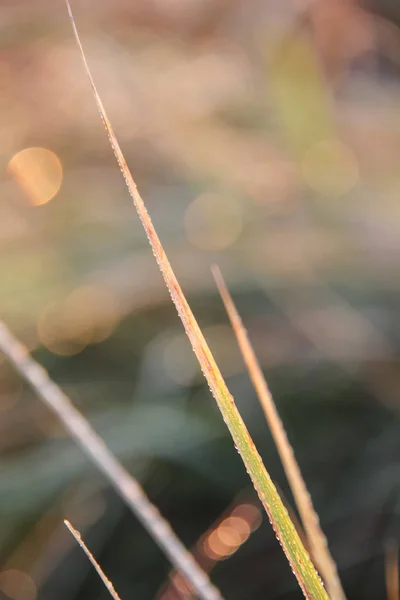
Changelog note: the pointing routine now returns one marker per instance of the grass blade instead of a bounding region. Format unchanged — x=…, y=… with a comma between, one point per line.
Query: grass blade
x=315, y=536
x=296, y=554
x=91, y=443
x=92, y=559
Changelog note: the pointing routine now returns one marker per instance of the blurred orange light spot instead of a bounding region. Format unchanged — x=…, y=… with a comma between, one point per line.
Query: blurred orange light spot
x=227, y=538
x=51, y=332
x=182, y=586
x=233, y=531
x=87, y=316
x=213, y=222
x=17, y=585
x=92, y=309
x=38, y=172
x=330, y=168
x=215, y=548
x=250, y=513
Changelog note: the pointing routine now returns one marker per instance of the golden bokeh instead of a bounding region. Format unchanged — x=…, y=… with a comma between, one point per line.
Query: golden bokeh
x=51, y=332
x=250, y=513
x=215, y=548
x=330, y=168
x=233, y=531
x=17, y=585
x=38, y=171
x=90, y=313
x=87, y=316
x=227, y=537
x=213, y=222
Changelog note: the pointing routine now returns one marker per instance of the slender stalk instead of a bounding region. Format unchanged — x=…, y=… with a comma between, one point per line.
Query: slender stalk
x=92, y=559
x=92, y=444
x=315, y=535
x=296, y=554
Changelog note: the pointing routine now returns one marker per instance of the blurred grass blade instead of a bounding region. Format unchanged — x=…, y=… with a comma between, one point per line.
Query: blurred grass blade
x=91, y=443
x=315, y=536
x=392, y=571
x=94, y=562
x=297, y=556
x=300, y=93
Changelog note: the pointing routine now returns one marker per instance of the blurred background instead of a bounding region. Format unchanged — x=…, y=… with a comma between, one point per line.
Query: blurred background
x=265, y=137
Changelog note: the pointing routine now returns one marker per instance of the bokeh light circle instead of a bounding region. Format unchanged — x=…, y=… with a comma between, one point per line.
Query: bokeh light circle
x=38, y=171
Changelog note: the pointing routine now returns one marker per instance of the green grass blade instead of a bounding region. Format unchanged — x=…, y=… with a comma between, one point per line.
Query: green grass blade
x=315, y=536
x=296, y=554
x=94, y=447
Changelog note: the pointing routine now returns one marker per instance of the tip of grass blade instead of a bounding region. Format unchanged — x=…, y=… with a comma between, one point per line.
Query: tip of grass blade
x=92, y=559
x=316, y=537
x=296, y=554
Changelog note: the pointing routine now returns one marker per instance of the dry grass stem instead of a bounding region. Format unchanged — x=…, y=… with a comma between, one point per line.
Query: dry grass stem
x=92, y=444
x=315, y=536
x=297, y=556
x=94, y=562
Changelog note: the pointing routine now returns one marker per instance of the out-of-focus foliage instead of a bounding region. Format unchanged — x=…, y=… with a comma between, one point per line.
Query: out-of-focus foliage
x=264, y=137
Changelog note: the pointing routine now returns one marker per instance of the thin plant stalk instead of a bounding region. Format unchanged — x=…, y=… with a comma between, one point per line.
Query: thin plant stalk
x=93, y=446
x=309, y=517
x=296, y=554
x=92, y=559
